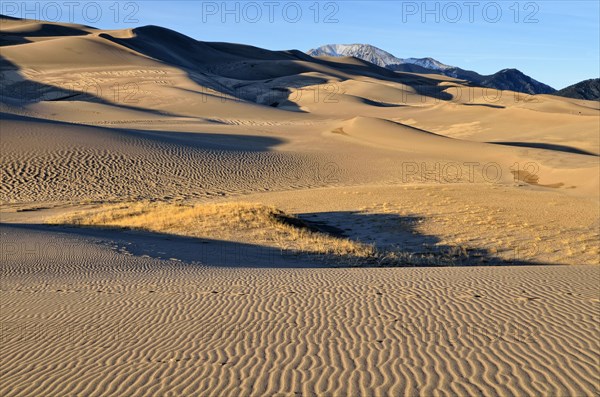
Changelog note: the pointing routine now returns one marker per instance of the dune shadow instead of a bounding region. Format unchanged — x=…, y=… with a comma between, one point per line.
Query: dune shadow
x=488, y=105
x=406, y=245
x=267, y=78
x=192, y=140
x=263, y=77
x=187, y=250
x=434, y=91
x=212, y=141
x=547, y=146
x=380, y=104
x=396, y=238
x=8, y=40
x=18, y=90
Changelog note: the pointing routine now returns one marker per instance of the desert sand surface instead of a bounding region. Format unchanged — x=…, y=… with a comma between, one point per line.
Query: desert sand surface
x=211, y=219
x=94, y=316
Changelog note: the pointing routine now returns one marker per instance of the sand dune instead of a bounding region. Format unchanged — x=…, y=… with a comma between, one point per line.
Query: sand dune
x=422, y=166
x=58, y=162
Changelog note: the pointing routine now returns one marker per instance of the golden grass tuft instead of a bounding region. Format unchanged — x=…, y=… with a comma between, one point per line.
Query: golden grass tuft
x=256, y=224
x=238, y=221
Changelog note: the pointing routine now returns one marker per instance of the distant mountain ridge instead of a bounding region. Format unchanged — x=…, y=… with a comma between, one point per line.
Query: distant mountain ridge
x=586, y=89
x=375, y=55
x=506, y=79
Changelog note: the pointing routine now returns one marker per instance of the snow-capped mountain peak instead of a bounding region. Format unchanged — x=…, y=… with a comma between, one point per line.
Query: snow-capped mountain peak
x=365, y=52
x=428, y=63
x=374, y=55
x=506, y=79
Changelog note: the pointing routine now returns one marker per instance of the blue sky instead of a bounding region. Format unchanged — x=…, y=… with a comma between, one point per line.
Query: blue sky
x=556, y=42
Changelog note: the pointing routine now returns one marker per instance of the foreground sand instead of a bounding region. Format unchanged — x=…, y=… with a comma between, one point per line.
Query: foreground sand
x=88, y=311
x=81, y=317
x=399, y=161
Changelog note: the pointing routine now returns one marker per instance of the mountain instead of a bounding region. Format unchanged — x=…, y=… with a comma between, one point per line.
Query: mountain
x=515, y=80
x=506, y=79
x=375, y=55
x=587, y=89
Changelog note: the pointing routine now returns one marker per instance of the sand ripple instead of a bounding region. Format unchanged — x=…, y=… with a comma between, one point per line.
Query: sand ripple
x=107, y=323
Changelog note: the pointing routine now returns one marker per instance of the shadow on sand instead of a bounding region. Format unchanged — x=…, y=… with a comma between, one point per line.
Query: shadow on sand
x=193, y=140
x=259, y=76
x=547, y=146
x=397, y=234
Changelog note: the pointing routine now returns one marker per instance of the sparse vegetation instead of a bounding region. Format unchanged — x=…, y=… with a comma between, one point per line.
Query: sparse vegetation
x=244, y=222
x=255, y=224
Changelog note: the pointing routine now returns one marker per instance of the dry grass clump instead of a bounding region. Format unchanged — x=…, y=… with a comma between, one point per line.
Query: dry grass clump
x=256, y=224
x=241, y=222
